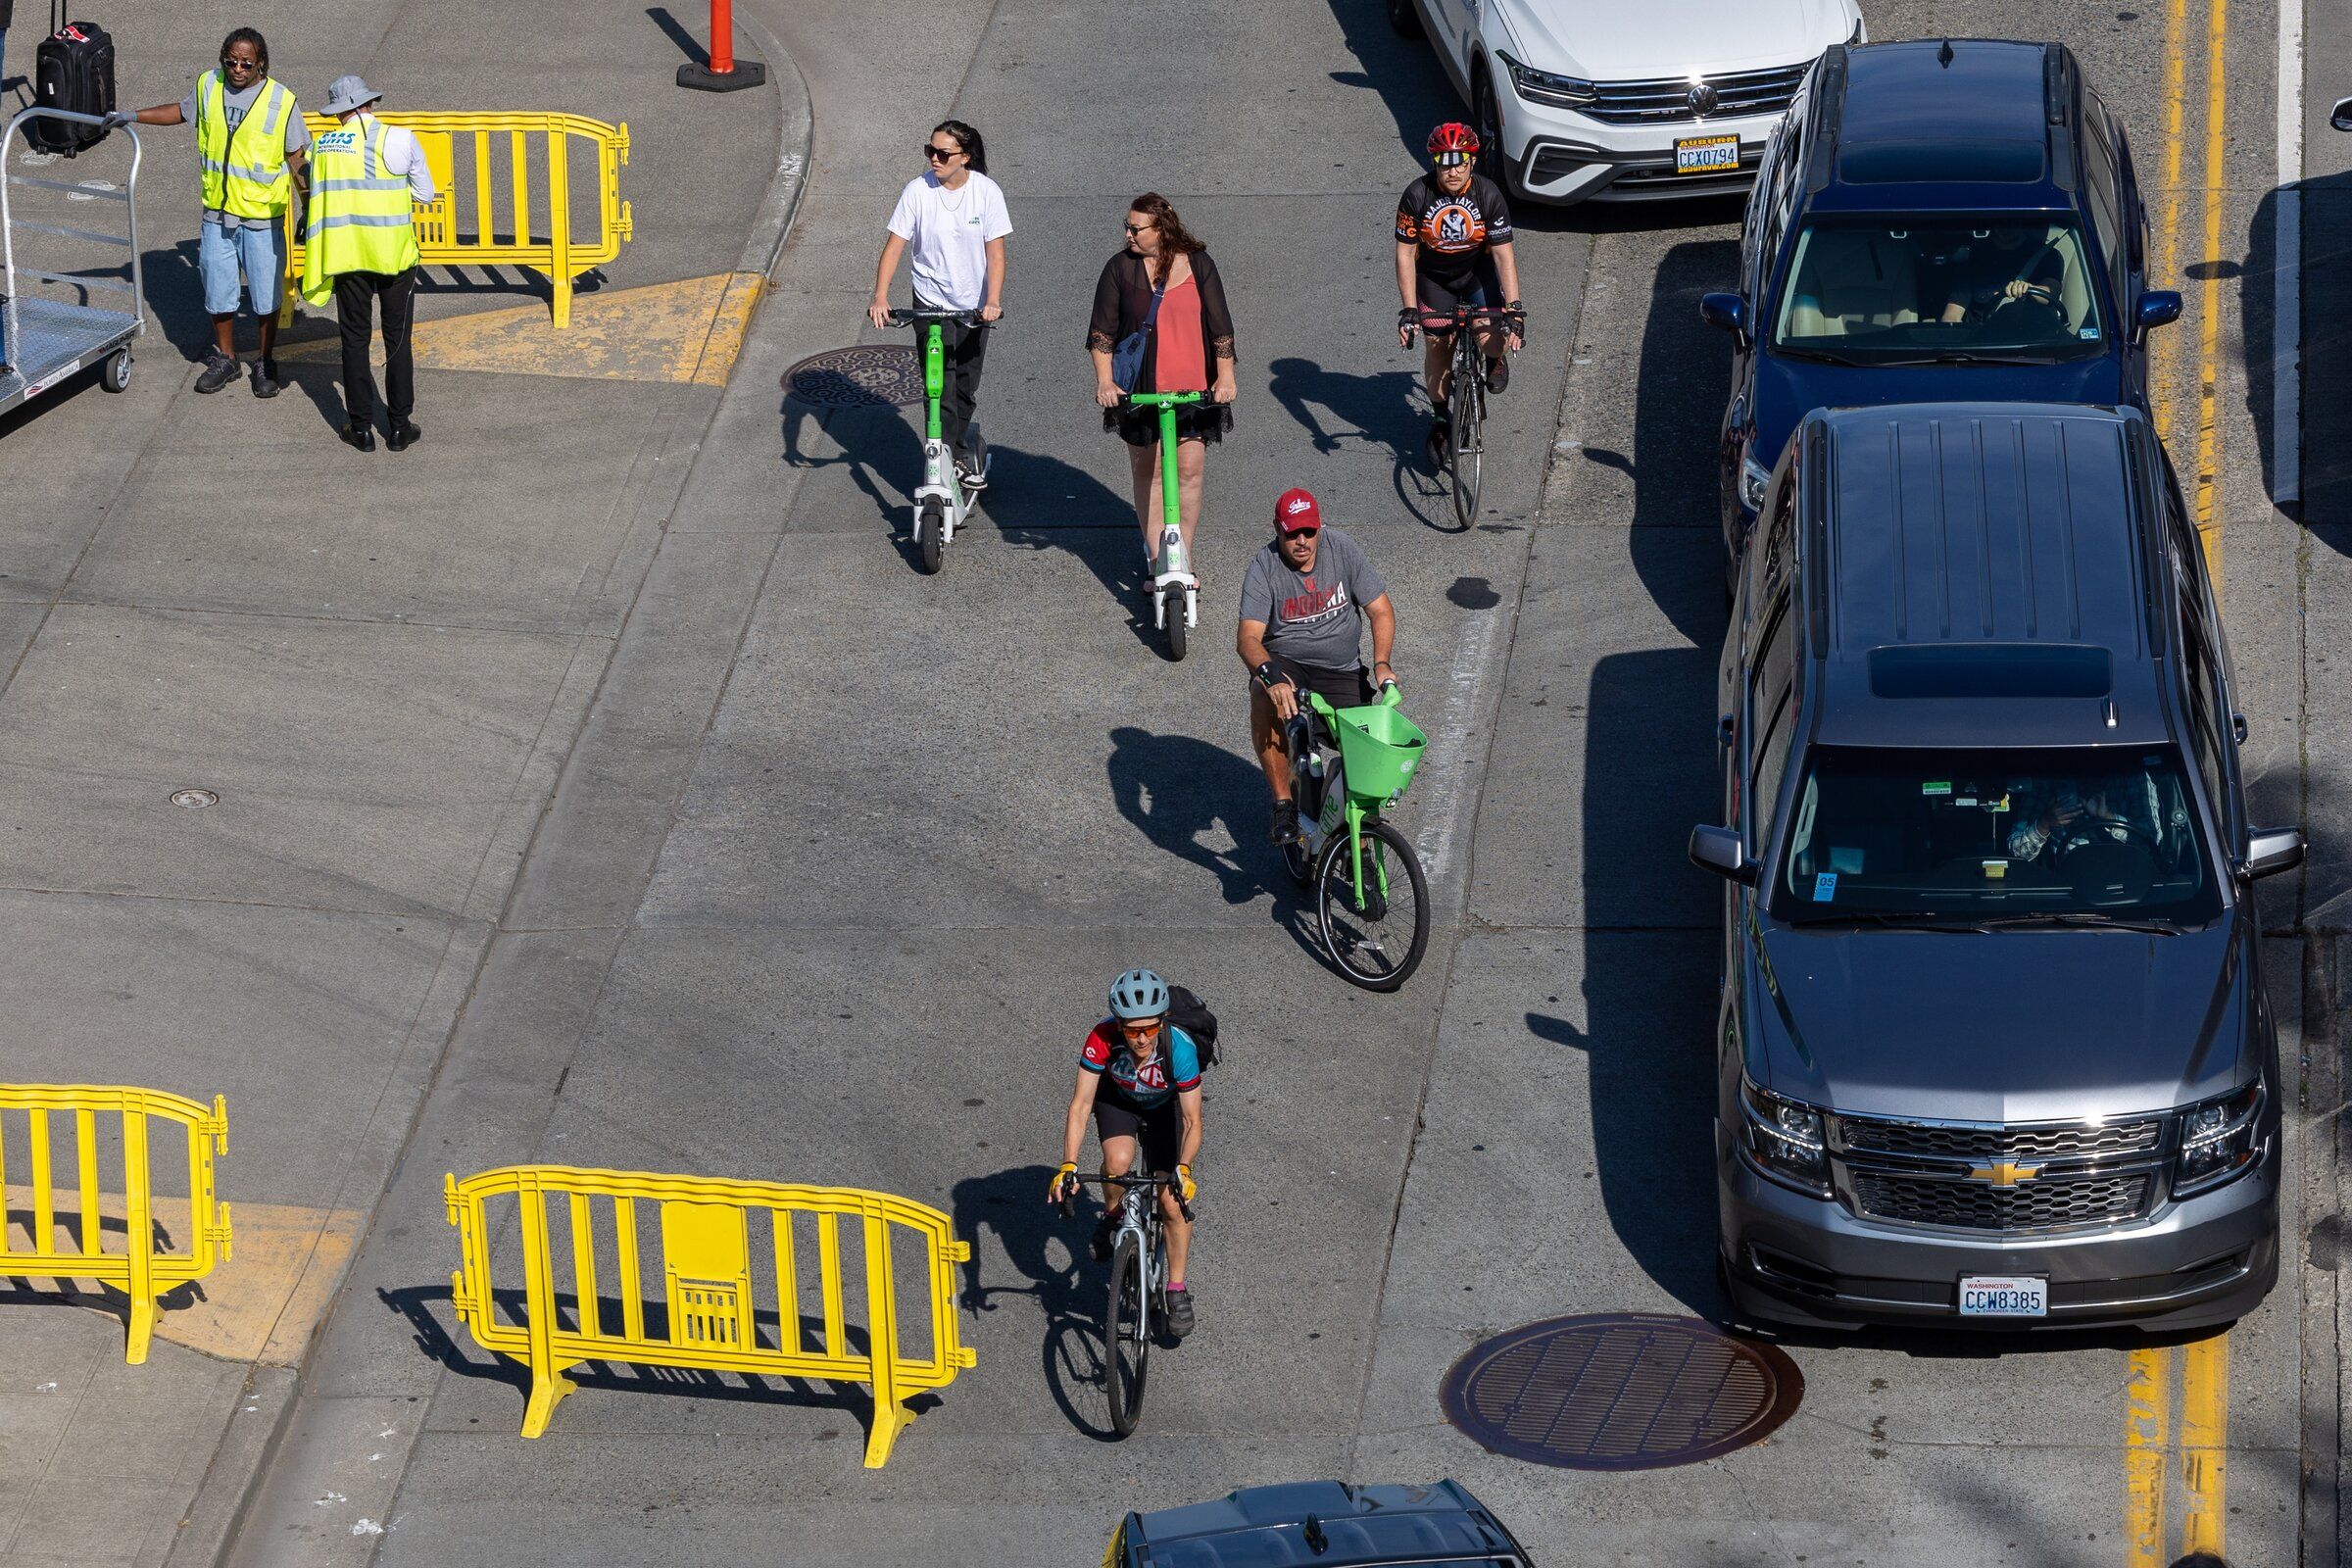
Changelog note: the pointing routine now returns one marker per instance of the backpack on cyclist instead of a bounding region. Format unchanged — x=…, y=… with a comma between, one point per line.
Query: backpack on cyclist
x=1188, y=1012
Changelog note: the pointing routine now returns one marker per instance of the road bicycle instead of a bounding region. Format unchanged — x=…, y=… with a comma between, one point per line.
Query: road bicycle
x=1175, y=591
x=1348, y=766
x=941, y=501
x=1466, y=384
x=1137, y=1301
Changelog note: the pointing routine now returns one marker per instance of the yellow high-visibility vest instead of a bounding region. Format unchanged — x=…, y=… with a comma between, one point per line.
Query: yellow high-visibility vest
x=244, y=174
x=360, y=219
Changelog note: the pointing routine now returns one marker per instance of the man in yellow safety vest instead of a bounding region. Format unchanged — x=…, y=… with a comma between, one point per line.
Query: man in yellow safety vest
x=250, y=147
x=360, y=246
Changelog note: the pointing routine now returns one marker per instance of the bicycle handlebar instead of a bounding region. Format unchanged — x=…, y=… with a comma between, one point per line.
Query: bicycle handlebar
x=1461, y=316
x=1154, y=1179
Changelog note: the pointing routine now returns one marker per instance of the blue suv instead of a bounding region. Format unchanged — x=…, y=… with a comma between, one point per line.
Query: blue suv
x=1933, y=221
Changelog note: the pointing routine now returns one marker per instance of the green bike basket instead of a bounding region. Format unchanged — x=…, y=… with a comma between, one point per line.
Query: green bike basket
x=1378, y=747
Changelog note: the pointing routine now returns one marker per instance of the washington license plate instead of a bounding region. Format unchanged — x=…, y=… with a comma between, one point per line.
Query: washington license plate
x=1706, y=155
x=2004, y=1295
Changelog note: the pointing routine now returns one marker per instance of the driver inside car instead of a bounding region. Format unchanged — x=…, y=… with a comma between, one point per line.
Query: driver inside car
x=2061, y=816
x=2001, y=266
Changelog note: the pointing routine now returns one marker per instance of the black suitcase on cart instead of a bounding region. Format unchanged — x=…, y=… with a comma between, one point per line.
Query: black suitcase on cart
x=73, y=69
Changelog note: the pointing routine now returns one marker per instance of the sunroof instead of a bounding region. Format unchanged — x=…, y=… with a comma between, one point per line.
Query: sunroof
x=1886, y=163
x=1991, y=669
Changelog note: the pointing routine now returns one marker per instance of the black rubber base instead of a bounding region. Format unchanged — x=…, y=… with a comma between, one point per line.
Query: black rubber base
x=746, y=73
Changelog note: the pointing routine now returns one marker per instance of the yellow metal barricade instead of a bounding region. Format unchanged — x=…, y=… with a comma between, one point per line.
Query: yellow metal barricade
x=140, y=1271
x=707, y=1315
x=501, y=183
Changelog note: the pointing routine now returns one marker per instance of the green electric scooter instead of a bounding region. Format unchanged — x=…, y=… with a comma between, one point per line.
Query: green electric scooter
x=941, y=501
x=1175, y=591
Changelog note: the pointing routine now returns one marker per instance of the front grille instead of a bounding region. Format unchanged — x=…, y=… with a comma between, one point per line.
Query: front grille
x=2050, y=1203
x=1667, y=100
x=1990, y=1141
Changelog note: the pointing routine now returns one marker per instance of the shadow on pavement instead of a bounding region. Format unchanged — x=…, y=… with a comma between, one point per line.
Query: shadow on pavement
x=1176, y=788
x=1404, y=71
x=1010, y=1206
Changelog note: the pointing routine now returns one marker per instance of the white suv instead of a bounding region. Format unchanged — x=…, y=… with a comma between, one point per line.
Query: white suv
x=1578, y=100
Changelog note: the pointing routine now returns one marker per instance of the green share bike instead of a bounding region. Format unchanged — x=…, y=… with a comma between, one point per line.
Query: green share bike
x=1348, y=765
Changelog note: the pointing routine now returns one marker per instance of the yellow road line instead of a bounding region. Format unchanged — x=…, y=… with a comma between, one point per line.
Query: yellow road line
x=2209, y=335
x=2204, y=1443
x=2167, y=269
x=2147, y=1418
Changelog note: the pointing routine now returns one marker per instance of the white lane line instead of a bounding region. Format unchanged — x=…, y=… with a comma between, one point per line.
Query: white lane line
x=2286, y=247
x=1466, y=683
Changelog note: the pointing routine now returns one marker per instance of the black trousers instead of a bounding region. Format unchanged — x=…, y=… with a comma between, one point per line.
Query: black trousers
x=966, y=346
x=355, y=294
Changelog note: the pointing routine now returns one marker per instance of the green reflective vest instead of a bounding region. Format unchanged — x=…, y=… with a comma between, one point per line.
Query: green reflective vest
x=360, y=211
x=244, y=173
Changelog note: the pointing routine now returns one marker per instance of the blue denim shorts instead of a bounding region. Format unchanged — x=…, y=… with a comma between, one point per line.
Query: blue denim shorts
x=219, y=252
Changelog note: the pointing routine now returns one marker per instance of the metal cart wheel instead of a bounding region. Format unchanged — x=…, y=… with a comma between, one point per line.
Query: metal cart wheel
x=115, y=374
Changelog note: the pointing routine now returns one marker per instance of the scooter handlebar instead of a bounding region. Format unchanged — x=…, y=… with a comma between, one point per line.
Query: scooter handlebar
x=903, y=317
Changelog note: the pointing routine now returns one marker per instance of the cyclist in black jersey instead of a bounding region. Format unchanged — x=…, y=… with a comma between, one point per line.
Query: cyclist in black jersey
x=1453, y=247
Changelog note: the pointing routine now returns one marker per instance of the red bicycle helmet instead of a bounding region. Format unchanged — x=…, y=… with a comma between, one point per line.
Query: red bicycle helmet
x=1452, y=143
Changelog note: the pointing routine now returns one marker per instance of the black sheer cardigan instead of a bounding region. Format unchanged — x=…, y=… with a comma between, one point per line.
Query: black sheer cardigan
x=1123, y=297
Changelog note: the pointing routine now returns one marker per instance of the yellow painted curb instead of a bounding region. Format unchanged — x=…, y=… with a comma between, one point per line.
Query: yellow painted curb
x=687, y=331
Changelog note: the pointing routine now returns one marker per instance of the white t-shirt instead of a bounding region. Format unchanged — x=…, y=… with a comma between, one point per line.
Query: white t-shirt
x=947, y=233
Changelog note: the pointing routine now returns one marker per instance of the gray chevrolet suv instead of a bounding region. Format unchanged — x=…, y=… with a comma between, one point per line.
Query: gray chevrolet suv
x=1993, y=1045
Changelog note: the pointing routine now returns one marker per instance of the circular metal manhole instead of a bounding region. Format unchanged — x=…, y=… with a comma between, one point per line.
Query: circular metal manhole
x=870, y=375
x=194, y=800
x=1635, y=1391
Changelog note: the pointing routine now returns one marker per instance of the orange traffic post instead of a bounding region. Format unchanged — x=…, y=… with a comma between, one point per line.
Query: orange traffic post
x=725, y=72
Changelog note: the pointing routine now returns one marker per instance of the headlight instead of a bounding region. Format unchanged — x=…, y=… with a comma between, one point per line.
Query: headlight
x=1784, y=1140
x=2216, y=1139
x=1753, y=478
x=1542, y=87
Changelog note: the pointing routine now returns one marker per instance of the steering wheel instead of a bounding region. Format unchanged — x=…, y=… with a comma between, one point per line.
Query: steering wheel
x=2089, y=830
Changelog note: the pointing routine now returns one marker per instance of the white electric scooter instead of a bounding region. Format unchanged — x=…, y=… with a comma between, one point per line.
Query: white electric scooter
x=1175, y=591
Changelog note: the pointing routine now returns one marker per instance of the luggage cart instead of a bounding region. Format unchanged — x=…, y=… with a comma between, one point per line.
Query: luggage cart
x=43, y=340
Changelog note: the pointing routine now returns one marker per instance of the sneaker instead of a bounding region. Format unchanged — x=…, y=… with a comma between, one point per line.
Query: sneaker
x=1106, y=1230
x=218, y=370
x=265, y=378
x=973, y=467
x=1180, y=1311
x=1286, y=823
x=1498, y=374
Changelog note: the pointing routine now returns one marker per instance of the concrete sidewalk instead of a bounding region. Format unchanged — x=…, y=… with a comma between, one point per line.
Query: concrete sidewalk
x=379, y=663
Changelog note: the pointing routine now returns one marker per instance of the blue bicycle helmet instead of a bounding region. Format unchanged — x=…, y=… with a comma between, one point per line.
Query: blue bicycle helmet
x=1139, y=994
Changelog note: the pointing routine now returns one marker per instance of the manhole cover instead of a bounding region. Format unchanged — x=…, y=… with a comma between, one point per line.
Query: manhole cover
x=194, y=800
x=871, y=375
x=1625, y=1392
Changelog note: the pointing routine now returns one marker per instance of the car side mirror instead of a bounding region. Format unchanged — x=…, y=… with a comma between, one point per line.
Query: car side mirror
x=1726, y=310
x=1720, y=851
x=2237, y=727
x=2158, y=307
x=2340, y=116
x=2269, y=851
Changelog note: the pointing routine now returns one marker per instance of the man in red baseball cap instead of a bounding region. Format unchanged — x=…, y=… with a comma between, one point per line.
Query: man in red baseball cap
x=1305, y=602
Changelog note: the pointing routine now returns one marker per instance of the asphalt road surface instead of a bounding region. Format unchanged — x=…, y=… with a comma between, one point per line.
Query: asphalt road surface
x=856, y=936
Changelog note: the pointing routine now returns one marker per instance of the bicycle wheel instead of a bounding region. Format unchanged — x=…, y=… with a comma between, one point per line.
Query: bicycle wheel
x=1126, y=1337
x=1378, y=937
x=1463, y=437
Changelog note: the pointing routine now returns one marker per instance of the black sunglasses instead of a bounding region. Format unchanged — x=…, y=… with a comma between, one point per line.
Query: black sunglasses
x=937, y=157
x=1138, y=229
x=231, y=62
x=1300, y=533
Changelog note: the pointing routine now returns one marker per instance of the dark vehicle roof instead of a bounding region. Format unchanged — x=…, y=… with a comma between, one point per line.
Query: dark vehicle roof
x=1946, y=123
x=1982, y=574
x=1266, y=1526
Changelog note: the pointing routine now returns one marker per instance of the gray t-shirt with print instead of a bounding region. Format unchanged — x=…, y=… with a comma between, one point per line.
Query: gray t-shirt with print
x=234, y=105
x=1313, y=617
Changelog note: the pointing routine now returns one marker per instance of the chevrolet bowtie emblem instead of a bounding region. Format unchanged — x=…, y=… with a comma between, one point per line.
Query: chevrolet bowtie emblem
x=2004, y=1173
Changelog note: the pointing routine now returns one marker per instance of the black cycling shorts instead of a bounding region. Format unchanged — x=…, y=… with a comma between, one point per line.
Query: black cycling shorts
x=1160, y=1130
x=1479, y=288
x=1341, y=688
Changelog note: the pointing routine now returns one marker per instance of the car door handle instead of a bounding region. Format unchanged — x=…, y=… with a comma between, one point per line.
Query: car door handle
x=1727, y=729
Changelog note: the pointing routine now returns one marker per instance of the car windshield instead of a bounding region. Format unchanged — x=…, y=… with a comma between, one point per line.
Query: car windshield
x=1918, y=291
x=2084, y=835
